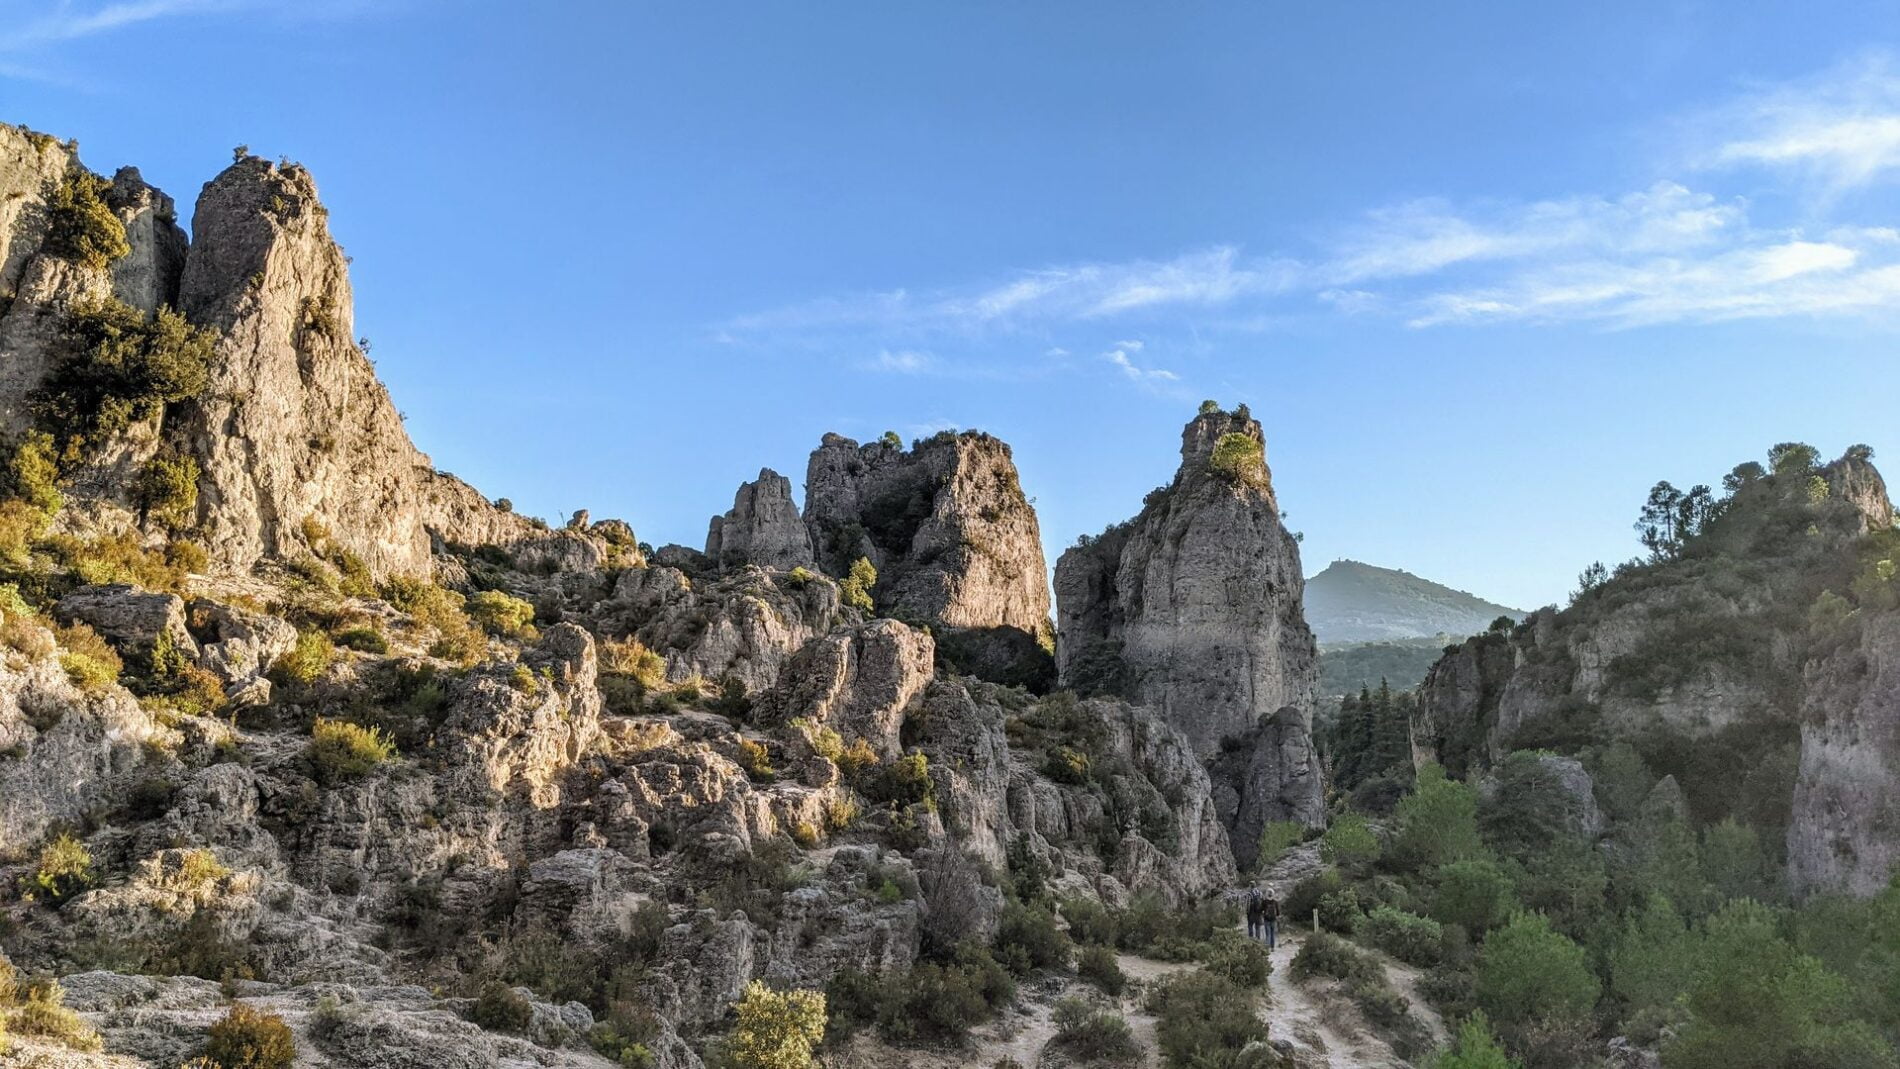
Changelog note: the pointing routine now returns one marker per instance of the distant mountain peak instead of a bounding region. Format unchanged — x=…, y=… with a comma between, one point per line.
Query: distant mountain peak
x=1352, y=601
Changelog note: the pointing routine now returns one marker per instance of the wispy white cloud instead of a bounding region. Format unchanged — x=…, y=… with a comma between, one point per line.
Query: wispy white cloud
x=1429, y=236
x=1121, y=358
x=71, y=21
x=1672, y=251
x=903, y=361
x=1068, y=293
x=1840, y=128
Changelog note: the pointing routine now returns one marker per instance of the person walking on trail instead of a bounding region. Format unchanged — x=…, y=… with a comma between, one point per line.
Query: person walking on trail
x=1270, y=921
x=1255, y=915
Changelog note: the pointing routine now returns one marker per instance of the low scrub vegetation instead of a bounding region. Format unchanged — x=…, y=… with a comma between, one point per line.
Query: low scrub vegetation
x=340, y=750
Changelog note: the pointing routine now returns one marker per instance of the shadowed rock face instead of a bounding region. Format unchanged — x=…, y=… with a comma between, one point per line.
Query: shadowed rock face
x=1843, y=835
x=954, y=541
x=1195, y=603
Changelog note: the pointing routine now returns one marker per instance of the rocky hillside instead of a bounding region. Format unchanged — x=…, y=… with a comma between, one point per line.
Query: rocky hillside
x=307, y=747
x=1748, y=662
x=1352, y=602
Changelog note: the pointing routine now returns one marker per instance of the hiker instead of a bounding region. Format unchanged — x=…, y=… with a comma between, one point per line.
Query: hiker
x=1270, y=921
x=1255, y=915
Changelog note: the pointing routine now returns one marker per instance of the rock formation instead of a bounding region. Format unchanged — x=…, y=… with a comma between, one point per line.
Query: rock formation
x=763, y=528
x=1197, y=599
x=954, y=541
x=1194, y=609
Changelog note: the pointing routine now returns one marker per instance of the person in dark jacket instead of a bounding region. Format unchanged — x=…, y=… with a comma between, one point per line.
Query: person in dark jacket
x=1270, y=921
x=1254, y=914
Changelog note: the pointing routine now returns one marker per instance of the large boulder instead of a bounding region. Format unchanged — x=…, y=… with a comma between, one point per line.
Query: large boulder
x=134, y=620
x=857, y=681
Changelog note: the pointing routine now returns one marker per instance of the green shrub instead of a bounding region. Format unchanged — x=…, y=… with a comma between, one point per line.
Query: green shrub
x=250, y=1039
x=89, y=660
x=1349, y=842
x=1474, y=894
x=1328, y=955
x=1240, y=459
x=1412, y=939
x=43, y=1014
x=776, y=1029
x=308, y=660
x=1028, y=939
x=341, y=750
x=457, y=637
x=81, y=227
x=901, y=783
x=856, y=588
x=1246, y=962
x=31, y=472
x=1090, y=922
x=756, y=760
x=1204, y=1021
x=940, y=1002
x=499, y=1008
x=363, y=640
x=1153, y=928
x=63, y=870
x=1091, y=1033
x=168, y=490
x=1531, y=976
x=1474, y=1048
x=1098, y=965
x=1436, y=824
x=1275, y=839
x=501, y=614
x=118, y=369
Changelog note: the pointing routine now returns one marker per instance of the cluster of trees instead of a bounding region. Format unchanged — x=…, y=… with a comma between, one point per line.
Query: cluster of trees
x=1672, y=518
x=1546, y=934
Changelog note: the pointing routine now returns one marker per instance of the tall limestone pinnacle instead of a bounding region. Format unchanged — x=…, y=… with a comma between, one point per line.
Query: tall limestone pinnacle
x=295, y=423
x=291, y=425
x=1193, y=607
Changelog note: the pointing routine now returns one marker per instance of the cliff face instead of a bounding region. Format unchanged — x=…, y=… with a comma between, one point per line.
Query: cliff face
x=1845, y=832
x=1197, y=598
x=954, y=541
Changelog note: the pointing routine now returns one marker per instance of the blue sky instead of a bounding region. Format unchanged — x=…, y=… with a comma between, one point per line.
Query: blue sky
x=1484, y=271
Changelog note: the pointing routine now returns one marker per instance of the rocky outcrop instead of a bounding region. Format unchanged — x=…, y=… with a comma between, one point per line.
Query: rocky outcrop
x=763, y=528
x=1193, y=607
x=1141, y=820
x=857, y=682
x=954, y=541
x=147, y=277
x=64, y=752
x=741, y=626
